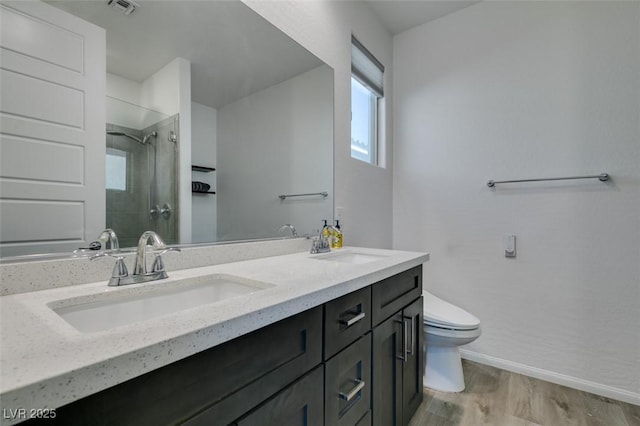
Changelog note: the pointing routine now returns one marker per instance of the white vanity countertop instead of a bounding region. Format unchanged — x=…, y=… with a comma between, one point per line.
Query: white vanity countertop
x=46, y=363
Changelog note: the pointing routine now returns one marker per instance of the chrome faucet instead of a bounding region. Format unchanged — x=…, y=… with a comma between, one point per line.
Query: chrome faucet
x=120, y=275
x=140, y=265
x=292, y=228
x=108, y=240
x=322, y=243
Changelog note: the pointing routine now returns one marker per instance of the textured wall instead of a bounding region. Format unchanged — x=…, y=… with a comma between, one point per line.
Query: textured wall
x=528, y=89
x=324, y=28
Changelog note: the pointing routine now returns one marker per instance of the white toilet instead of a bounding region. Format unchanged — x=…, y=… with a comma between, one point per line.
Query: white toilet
x=445, y=328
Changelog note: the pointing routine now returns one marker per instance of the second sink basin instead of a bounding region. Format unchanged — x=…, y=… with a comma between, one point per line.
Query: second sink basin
x=352, y=257
x=130, y=305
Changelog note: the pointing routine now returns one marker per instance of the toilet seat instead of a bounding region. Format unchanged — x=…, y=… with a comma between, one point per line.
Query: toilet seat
x=444, y=315
x=455, y=334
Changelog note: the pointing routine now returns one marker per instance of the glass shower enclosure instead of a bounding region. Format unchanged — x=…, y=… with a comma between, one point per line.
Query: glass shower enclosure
x=141, y=172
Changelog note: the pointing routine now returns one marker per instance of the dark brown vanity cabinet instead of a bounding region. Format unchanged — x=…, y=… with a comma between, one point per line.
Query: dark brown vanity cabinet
x=393, y=349
x=354, y=361
x=219, y=386
x=398, y=359
x=299, y=404
x=347, y=354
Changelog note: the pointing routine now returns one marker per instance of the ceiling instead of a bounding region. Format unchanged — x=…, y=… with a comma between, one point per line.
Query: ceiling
x=400, y=15
x=233, y=51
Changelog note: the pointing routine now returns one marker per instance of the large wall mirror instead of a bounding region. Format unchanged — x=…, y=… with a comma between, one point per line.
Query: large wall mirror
x=217, y=127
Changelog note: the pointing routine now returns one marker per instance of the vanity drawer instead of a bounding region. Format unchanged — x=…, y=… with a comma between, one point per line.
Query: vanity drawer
x=221, y=383
x=348, y=384
x=394, y=293
x=263, y=365
x=345, y=320
x=297, y=405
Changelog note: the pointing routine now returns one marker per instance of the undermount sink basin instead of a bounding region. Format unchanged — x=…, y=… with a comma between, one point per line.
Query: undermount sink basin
x=130, y=305
x=352, y=257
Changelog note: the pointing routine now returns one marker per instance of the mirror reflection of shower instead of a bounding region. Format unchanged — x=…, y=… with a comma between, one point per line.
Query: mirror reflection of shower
x=142, y=173
x=144, y=140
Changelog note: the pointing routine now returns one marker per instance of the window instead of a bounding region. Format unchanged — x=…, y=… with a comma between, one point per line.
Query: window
x=116, y=169
x=367, y=74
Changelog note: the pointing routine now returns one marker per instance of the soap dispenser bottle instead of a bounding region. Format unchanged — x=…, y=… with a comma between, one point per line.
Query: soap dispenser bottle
x=325, y=229
x=336, y=241
x=325, y=235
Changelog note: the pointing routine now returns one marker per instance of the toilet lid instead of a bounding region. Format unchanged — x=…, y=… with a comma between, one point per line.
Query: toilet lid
x=443, y=314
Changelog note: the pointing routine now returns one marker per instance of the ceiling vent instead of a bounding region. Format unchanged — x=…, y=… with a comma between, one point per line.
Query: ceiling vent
x=126, y=6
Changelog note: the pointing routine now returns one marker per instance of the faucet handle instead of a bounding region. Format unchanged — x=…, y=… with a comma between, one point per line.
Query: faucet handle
x=119, y=270
x=103, y=253
x=158, y=263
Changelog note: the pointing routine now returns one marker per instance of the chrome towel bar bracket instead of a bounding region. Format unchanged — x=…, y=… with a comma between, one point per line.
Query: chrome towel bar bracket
x=602, y=177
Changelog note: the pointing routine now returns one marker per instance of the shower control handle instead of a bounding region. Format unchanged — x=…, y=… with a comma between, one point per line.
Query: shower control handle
x=155, y=212
x=165, y=211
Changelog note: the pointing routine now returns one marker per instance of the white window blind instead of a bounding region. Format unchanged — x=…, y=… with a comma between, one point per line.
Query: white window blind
x=366, y=68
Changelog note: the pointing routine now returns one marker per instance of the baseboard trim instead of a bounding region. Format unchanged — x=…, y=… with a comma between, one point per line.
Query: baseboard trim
x=550, y=376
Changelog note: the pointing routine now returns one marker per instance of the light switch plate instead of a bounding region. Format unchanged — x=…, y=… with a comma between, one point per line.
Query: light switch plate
x=509, y=241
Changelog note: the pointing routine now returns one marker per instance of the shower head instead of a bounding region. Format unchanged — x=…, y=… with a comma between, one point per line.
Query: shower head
x=142, y=141
x=126, y=135
x=153, y=134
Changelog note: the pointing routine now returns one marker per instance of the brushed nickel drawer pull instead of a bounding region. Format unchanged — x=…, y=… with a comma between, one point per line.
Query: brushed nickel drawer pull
x=405, y=330
x=404, y=340
x=412, y=331
x=353, y=320
x=357, y=388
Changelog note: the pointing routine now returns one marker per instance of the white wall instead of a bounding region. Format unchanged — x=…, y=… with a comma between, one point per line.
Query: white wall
x=325, y=28
x=157, y=94
x=184, y=142
x=204, y=134
x=124, y=89
x=161, y=91
x=291, y=125
x=506, y=90
x=123, y=104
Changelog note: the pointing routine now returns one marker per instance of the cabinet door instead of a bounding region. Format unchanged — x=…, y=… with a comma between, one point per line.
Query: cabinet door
x=388, y=348
x=297, y=405
x=348, y=384
x=413, y=364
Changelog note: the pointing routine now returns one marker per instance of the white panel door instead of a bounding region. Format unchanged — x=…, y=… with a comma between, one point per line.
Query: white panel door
x=52, y=129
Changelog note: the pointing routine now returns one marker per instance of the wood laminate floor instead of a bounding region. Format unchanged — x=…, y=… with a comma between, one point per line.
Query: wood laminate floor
x=500, y=398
